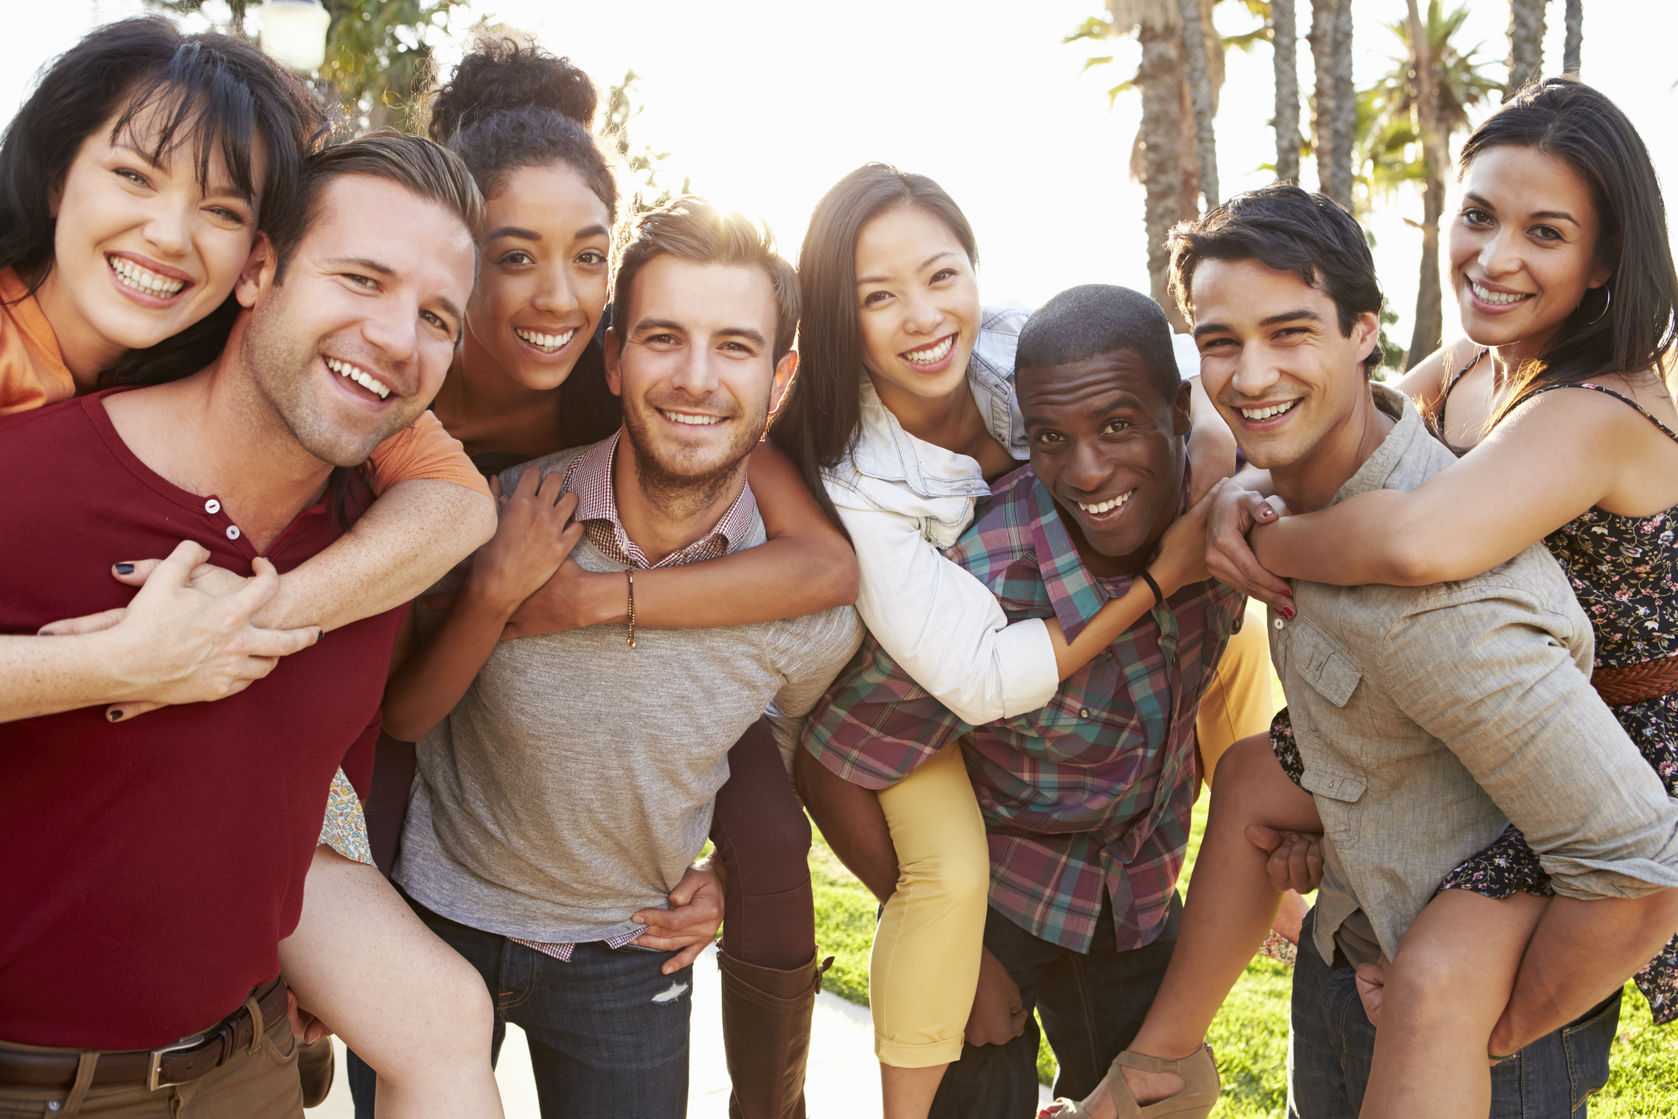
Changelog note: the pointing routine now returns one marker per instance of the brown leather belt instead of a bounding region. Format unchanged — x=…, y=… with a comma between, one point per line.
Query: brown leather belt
x=179, y=1063
x=1634, y=683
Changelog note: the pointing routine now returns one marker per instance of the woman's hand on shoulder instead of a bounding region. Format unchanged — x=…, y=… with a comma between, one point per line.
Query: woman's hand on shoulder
x=533, y=536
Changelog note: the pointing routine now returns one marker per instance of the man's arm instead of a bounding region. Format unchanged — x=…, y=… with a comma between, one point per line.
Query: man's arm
x=1540, y=742
x=1514, y=706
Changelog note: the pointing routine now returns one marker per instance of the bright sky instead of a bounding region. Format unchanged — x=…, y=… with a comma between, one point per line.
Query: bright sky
x=765, y=103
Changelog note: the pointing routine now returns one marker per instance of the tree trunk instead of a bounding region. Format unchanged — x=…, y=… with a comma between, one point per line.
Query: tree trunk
x=1526, y=43
x=1284, y=38
x=1345, y=106
x=1160, y=78
x=1425, y=337
x=1336, y=102
x=1574, y=21
x=1199, y=80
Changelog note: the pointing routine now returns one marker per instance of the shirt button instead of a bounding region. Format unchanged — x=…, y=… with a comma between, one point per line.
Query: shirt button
x=212, y=506
x=233, y=532
x=1083, y=712
x=1279, y=623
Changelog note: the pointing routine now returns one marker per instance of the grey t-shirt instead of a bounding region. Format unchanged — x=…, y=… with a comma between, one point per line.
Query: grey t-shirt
x=573, y=783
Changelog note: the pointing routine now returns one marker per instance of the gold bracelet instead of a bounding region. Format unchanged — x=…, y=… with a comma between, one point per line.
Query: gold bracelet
x=629, y=572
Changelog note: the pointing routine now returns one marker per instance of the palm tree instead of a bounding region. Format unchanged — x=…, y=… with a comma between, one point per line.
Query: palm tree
x=1335, y=129
x=1526, y=43
x=1284, y=40
x=1417, y=107
x=1165, y=155
x=1573, y=20
x=1194, y=18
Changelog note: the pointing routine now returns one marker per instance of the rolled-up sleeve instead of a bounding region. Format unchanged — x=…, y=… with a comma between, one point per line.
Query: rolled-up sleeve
x=944, y=627
x=1515, y=706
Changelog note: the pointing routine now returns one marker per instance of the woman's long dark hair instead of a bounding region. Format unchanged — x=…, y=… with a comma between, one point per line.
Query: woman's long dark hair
x=509, y=107
x=1569, y=120
x=213, y=95
x=818, y=426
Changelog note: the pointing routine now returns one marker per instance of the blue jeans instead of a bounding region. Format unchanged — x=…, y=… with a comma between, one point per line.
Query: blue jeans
x=1331, y=1043
x=1091, y=1004
x=608, y=1033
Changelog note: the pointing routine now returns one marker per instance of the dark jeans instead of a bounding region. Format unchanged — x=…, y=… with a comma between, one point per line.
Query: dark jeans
x=1332, y=1043
x=608, y=1033
x=1091, y=1004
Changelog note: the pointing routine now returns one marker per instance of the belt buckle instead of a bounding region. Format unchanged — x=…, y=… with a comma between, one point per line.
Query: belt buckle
x=154, y=1063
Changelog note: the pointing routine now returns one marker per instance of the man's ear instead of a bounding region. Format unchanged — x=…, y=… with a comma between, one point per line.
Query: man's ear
x=613, y=352
x=1182, y=407
x=786, y=375
x=1367, y=333
x=261, y=267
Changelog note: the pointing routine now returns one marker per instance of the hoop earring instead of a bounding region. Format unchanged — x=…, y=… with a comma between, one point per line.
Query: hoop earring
x=1607, y=299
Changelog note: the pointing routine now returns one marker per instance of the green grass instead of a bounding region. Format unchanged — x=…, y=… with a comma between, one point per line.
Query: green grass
x=1250, y=1035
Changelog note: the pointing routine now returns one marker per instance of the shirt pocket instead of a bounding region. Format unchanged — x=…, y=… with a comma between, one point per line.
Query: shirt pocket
x=1332, y=674
x=1337, y=794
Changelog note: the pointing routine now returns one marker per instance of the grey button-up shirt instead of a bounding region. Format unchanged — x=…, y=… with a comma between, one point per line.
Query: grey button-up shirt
x=1430, y=717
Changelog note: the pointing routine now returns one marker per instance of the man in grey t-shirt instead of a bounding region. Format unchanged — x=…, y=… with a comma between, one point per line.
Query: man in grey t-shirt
x=572, y=784
x=1427, y=718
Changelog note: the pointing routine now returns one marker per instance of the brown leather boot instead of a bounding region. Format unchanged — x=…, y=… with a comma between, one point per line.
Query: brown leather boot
x=766, y=1035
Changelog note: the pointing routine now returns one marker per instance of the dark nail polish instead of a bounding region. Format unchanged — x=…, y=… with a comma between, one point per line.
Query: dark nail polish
x=114, y=716
x=125, y=569
x=1287, y=612
x=45, y=633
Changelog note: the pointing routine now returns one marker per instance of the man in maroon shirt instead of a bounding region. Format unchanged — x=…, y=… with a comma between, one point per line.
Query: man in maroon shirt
x=153, y=868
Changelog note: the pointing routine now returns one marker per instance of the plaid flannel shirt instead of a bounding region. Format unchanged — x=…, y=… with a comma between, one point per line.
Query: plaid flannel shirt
x=1094, y=790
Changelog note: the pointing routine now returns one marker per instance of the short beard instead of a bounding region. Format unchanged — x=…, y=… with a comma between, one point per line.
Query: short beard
x=678, y=495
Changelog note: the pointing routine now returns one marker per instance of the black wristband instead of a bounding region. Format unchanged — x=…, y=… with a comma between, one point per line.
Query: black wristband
x=1159, y=595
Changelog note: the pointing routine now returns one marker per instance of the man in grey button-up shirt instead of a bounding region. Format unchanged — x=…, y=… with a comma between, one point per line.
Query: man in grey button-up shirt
x=1428, y=718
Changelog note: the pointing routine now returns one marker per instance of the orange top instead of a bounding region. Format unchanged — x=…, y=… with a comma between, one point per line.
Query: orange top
x=33, y=373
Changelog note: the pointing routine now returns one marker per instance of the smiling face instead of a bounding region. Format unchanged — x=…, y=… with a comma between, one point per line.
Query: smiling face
x=692, y=360
x=352, y=341
x=1523, y=248
x=917, y=306
x=1278, y=368
x=544, y=279
x=1109, y=447
x=141, y=250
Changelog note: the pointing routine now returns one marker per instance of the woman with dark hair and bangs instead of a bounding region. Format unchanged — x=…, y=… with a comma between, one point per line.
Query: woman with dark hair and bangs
x=1559, y=401
x=127, y=212
x=529, y=381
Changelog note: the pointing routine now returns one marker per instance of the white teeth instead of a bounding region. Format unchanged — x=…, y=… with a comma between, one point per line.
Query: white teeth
x=143, y=279
x=1266, y=413
x=360, y=376
x=690, y=419
x=550, y=343
x=932, y=354
x=1495, y=298
x=1106, y=506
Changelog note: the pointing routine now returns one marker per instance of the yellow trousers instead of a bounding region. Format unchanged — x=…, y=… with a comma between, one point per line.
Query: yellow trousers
x=1240, y=701
x=925, y=965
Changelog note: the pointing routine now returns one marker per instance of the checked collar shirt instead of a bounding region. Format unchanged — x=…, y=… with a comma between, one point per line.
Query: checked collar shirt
x=1090, y=794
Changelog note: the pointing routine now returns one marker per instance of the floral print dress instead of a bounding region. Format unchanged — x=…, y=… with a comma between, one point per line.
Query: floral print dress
x=1624, y=571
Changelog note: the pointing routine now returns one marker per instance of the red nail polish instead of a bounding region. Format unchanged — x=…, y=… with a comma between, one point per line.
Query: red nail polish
x=1287, y=612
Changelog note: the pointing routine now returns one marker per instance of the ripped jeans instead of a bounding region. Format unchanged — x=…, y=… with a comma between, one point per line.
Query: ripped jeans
x=608, y=1033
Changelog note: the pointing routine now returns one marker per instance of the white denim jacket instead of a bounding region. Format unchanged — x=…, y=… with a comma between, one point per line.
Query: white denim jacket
x=903, y=500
